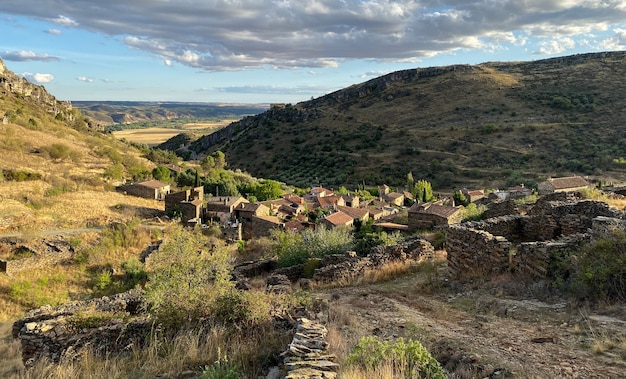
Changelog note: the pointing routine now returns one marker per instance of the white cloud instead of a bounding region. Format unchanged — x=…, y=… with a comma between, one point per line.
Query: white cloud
x=218, y=35
x=38, y=78
x=52, y=31
x=63, y=21
x=84, y=79
x=615, y=42
x=168, y=62
x=24, y=56
x=555, y=46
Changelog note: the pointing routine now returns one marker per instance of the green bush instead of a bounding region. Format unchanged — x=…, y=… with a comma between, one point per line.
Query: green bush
x=187, y=274
x=410, y=358
x=602, y=268
x=296, y=248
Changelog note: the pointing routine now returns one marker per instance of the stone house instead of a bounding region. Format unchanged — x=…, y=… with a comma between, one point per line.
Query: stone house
x=351, y=200
x=565, y=184
x=519, y=192
x=356, y=213
x=330, y=202
x=429, y=215
x=260, y=226
x=473, y=195
x=321, y=192
x=149, y=189
x=394, y=198
x=337, y=219
x=375, y=213
x=188, y=202
x=223, y=207
x=383, y=190
x=244, y=212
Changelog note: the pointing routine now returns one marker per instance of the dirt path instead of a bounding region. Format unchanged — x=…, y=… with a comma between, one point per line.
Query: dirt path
x=478, y=334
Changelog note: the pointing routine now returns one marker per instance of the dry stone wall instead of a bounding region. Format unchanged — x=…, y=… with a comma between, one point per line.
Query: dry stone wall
x=306, y=356
x=103, y=325
x=44, y=253
x=527, y=244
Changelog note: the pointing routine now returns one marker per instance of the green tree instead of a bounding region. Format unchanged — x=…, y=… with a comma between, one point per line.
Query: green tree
x=410, y=182
x=161, y=173
x=219, y=160
x=423, y=191
x=460, y=198
x=267, y=190
x=295, y=248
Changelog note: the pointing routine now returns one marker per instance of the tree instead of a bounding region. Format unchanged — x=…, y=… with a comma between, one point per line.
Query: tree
x=161, y=173
x=410, y=182
x=460, y=198
x=424, y=191
x=219, y=160
x=114, y=171
x=267, y=190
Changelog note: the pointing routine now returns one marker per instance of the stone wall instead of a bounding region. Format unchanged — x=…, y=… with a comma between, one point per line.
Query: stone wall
x=537, y=259
x=116, y=325
x=44, y=253
x=474, y=252
x=307, y=356
x=529, y=244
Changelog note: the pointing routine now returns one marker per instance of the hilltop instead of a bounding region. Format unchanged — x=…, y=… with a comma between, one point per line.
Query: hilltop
x=490, y=124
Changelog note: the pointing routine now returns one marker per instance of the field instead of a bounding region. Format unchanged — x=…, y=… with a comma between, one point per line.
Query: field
x=157, y=135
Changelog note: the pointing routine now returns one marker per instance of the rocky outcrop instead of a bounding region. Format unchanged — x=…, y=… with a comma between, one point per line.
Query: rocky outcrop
x=10, y=83
x=306, y=356
x=105, y=325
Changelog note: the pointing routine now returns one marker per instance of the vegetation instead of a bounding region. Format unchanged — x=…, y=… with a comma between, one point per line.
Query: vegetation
x=296, y=248
x=405, y=359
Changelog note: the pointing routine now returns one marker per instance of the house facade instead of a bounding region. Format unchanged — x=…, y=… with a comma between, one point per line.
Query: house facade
x=565, y=184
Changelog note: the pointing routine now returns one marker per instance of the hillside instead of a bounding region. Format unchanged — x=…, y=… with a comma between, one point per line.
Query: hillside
x=491, y=124
x=54, y=164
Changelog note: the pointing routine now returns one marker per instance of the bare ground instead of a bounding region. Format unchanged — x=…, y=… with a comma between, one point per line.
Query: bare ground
x=493, y=330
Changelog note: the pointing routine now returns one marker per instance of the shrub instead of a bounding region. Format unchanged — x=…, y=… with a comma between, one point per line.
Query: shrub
x=602, y=268
x=187, y=274
x=293, y=248
x=221, y=369
x=408, y=358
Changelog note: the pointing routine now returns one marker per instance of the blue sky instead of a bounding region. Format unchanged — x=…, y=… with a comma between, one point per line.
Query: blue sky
x=263, y=51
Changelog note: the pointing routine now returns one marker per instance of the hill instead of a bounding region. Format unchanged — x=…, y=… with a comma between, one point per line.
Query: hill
x=129, y=112
x=491, y=124
x=56, y=168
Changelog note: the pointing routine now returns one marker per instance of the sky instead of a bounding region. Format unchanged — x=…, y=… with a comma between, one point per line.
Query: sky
x=267, y=51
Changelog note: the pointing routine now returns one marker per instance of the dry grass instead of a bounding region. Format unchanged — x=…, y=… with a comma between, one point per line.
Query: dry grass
x=386, y=370
x=189, y=350
x=155, y=136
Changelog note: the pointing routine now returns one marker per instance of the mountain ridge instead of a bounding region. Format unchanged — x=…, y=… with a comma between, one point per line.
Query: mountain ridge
x=496, y=123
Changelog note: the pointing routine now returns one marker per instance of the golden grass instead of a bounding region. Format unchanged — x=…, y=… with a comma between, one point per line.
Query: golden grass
x=149, y=136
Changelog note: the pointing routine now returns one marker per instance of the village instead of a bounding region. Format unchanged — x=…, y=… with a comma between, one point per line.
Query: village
x=240, y=219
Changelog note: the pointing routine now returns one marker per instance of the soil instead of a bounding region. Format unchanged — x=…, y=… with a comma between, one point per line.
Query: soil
x=503, y=328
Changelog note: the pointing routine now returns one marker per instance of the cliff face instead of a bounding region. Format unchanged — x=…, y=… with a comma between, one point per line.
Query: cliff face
x=12, y=84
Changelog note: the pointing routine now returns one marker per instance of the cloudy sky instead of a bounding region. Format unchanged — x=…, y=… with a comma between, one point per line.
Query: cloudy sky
x=261, y=51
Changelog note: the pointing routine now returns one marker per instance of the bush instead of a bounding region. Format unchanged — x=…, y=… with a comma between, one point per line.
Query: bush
x=293, y=248
x=409, y=359
x=602, y=268
x=187, y=274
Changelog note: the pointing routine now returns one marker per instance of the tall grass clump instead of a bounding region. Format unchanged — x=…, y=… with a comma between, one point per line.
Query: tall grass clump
x=373, y=358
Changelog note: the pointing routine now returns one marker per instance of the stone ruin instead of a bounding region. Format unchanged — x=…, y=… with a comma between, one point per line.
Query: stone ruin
x=99, y=324
x=333, y=267
x=528, y=244
x=26, y=255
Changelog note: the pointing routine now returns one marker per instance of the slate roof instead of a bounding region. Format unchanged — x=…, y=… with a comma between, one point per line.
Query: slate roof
x=156, y=184
x=568, y=182
x=354, y=212
x=434, y=209
x=339, y=218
